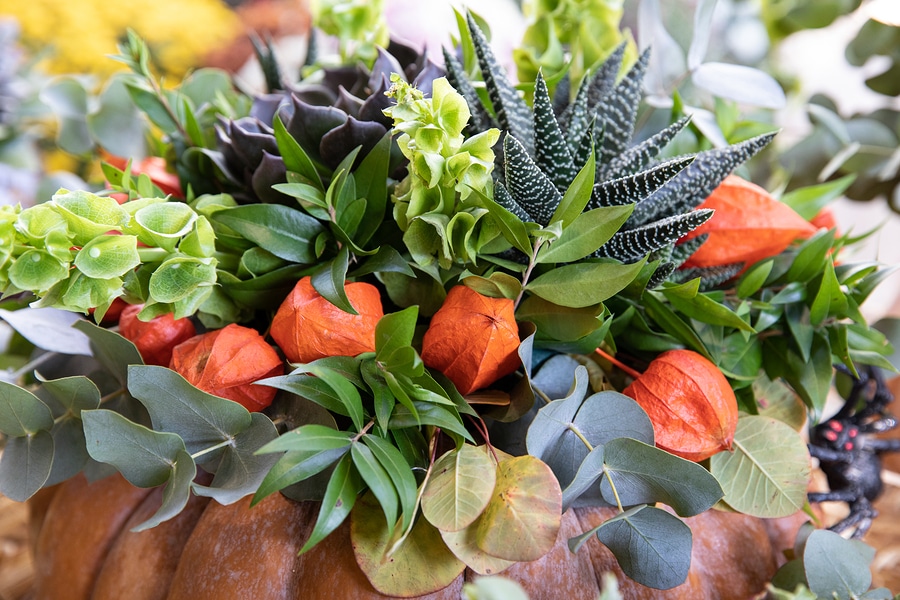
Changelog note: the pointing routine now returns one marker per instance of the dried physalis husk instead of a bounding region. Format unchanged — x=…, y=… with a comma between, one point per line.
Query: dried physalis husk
x=690, y=403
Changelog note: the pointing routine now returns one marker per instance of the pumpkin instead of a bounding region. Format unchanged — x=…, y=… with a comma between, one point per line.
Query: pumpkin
x=86, y=551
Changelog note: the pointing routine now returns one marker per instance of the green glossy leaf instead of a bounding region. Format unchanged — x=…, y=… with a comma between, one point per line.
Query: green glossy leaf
x=560, y=322
x=400, y=472
x=428, y=413
x=585, y=234
x=329, y=281
x=584, y=284
x=460, y=487
x=108, y=256
x=144, y=457
x=385, y=259
x=297, y=466
x=25, y=465
x=340, y=496
x=834, y=566
x=808, y=201
x=811, y=258
x=346, y=392
x=523, y=517
x=767, y=473
x=652, y=546
x=422, y=564
x=829, y=298
x=644, y=474
x=513, y=229
x=295, y=158
x=706, y=310
x=577, y=195
x=21, y=413
x=202, y=420
x=311, y=388
x=753, y=279
x=371, y=183
x=285, y=232
x=377, y=480
x=242, y=468
x=395, y=331
x=810, y=379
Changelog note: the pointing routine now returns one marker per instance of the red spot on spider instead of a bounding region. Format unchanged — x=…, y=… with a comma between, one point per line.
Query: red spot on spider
x=836, y=426
x=848, y=446
x=853, y=432
x=831, y=436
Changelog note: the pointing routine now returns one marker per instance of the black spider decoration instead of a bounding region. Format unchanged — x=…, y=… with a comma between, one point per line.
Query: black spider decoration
x=848, y=454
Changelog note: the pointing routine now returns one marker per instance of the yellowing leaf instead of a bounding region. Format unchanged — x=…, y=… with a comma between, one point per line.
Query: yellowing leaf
x=460, y=487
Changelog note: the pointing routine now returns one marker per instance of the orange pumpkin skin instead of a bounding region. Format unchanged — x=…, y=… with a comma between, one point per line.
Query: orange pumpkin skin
x=237, y=552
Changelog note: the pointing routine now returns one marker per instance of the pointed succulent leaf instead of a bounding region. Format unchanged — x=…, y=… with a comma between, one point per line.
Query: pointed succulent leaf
x=504, y=199
x=481, y=120
x=527, y=184
x=551, y=152
x=604, y=80
x=632, y=189
x=660, y=275
x=309, y=123
x=683, y=251
x=340, y=141
x=690, y=187
x=710, y=277
x=513, y=114
x=575, y=119
x=633, y=244
x=619, y=110
x=638, y=156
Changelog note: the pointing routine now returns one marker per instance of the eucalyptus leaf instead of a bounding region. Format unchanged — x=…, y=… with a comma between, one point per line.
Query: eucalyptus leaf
x=111, y=350
x=202, y=420
x=739, y=83
x=644, y=474
x=22, y=414
x=144, y=457
x=70, y=453
x=176, y=493
x=834, y=566
x=652, y=546
x=25, y=465
x=242, y=468
x=460, y=487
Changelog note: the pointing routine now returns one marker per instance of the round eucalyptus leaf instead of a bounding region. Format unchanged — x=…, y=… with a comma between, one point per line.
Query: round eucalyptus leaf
x=463, y=545
x=460, y=487
x=420, y=565
x=523, y=517
x=176, y=493
x=69, y=452
x=828, y=576
x=652, y=546
x=767, y=472
x=21, y=412
x=25, y=465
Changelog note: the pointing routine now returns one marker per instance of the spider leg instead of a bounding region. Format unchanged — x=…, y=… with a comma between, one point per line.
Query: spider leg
x=877, y=445
x=861, y=515
x=829, y=454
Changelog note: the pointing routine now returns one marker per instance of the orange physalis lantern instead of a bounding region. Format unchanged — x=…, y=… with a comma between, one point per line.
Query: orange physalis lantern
x=155, y=338
x=308, y=327
x=690, y=403
x=226, y=362
x=748, y=226
x=472, y=339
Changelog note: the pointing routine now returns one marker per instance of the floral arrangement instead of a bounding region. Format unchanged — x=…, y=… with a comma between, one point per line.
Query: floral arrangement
x=435, y=303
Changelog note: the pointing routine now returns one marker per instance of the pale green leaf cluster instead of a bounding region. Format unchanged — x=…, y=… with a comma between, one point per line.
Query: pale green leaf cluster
x=445, y=166
x=81, y=251
x=358, y=25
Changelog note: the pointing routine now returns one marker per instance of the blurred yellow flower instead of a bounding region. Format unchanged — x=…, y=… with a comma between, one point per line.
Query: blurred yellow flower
x=75, y=36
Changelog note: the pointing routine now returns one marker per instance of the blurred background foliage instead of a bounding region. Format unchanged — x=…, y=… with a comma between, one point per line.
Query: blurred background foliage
x=731, y=64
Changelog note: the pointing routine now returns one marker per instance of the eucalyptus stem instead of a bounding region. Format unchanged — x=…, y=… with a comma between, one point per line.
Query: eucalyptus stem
x=213, y=448
x=612, y=486
x=30, y=365
x=580, y=436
